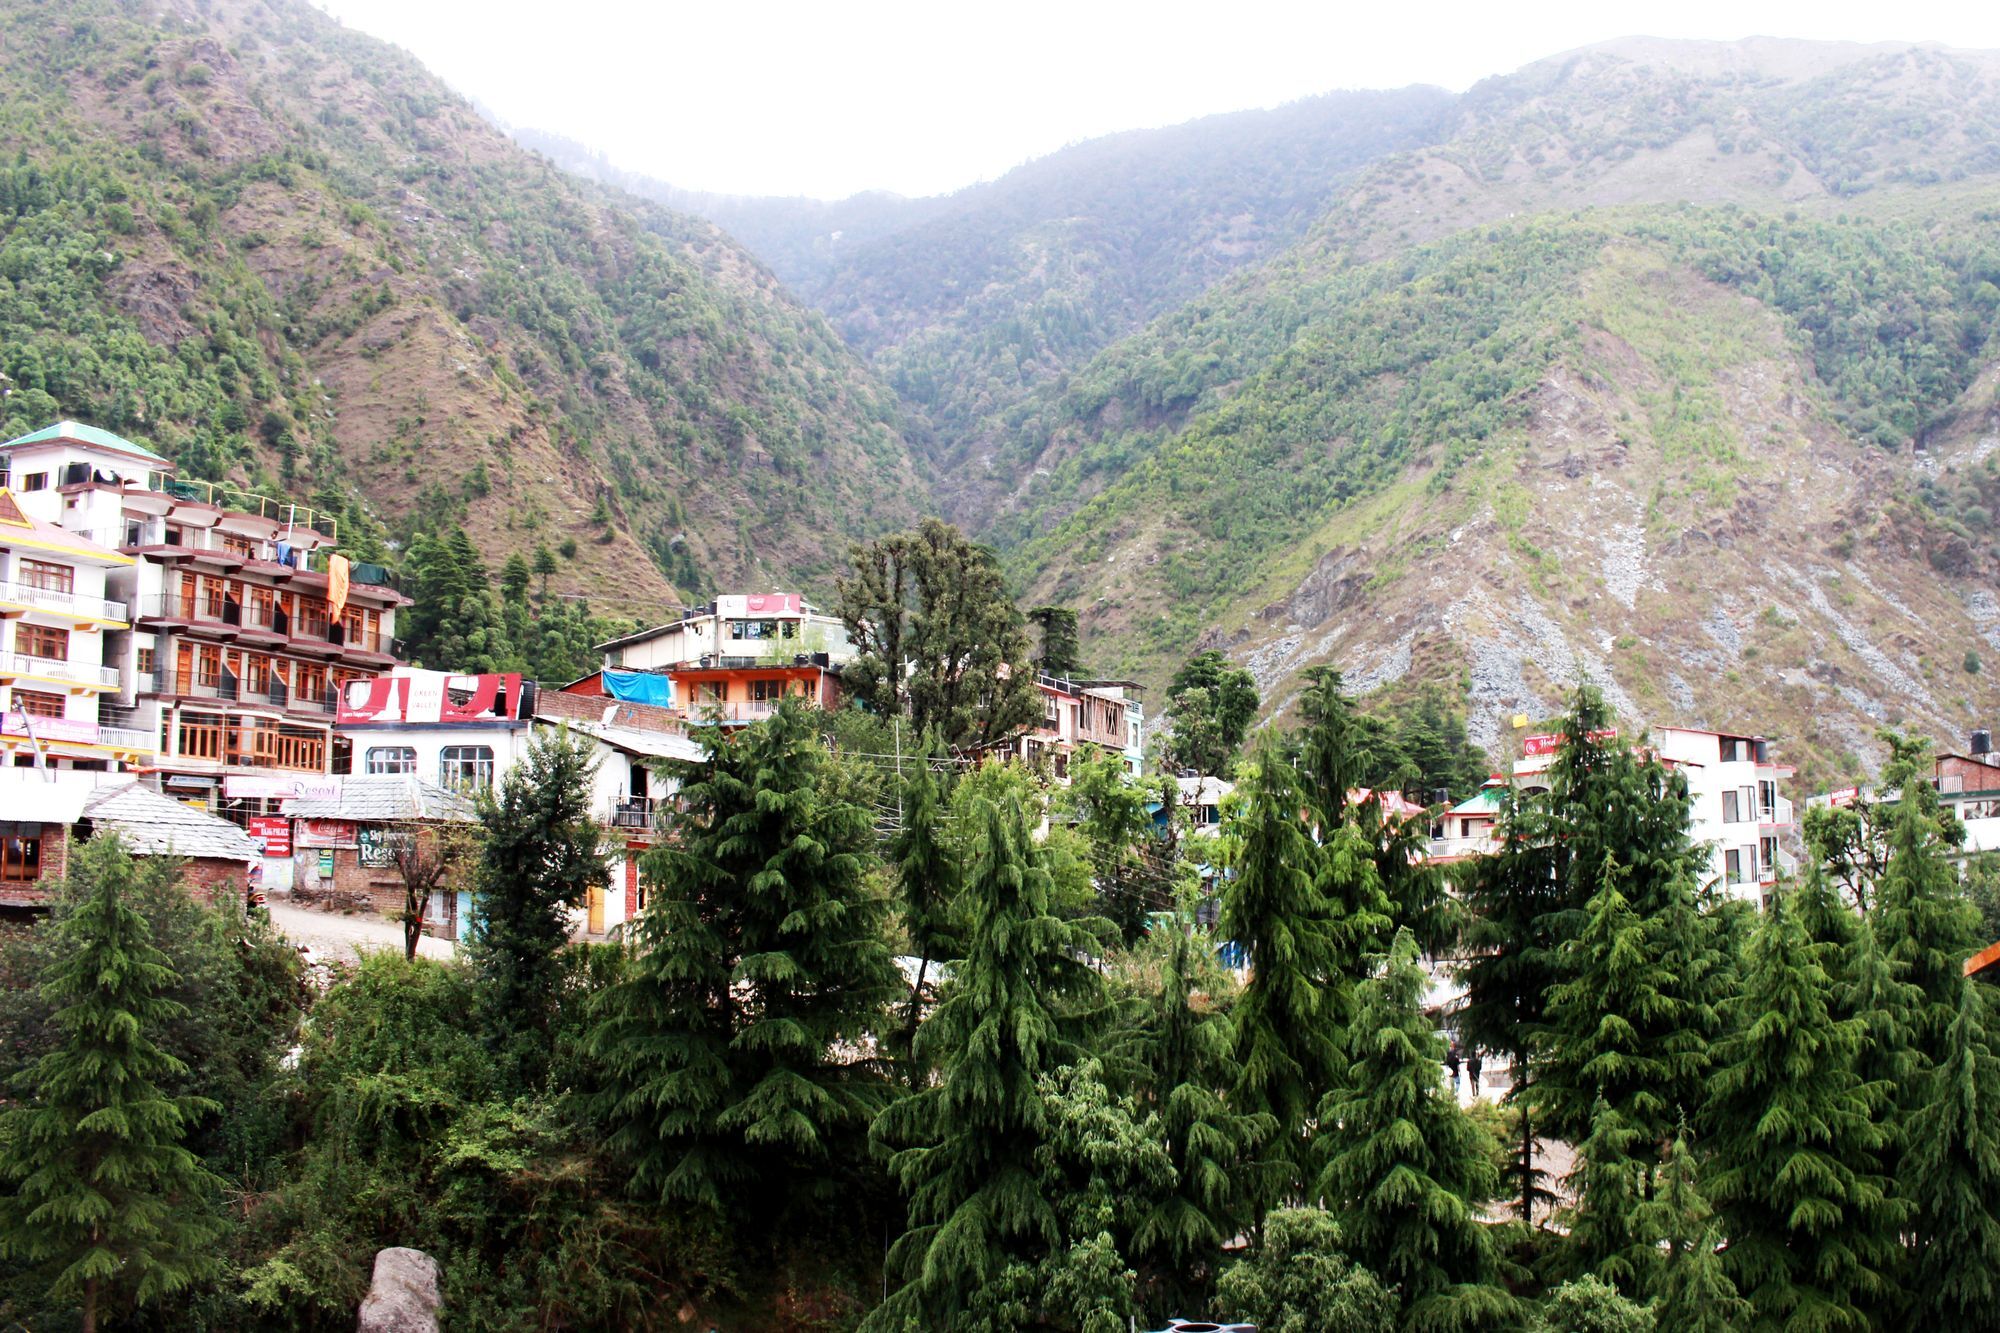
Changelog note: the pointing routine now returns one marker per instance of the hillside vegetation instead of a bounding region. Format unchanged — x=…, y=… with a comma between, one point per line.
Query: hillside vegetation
x=283, y=252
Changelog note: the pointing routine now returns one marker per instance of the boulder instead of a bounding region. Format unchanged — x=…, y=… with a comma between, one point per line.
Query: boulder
x=403, y=1298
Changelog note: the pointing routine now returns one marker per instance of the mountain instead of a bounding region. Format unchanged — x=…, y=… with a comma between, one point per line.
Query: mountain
x=1731, y=460
x=968, y=304
x=284, y=253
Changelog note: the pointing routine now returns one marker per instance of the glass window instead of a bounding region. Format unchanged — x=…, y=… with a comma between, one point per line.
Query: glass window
x=466, y=766
x=42, y=641
x=49, y=578
x=1732, y=866
x=38, y=703
x=20, y=858
x=391, y=759
x=1730, y=813
x=35, y=481
x=765, y=691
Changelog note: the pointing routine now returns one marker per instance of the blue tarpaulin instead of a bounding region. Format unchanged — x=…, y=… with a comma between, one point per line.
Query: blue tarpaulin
x=639, y=687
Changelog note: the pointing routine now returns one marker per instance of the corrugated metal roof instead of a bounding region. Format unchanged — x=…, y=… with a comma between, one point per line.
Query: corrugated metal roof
x=634, y=740
x=82, y=434
x=375, y=799
x=150, y=824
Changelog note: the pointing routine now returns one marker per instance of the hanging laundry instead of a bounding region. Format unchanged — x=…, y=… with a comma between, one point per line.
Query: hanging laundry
x=284, y=553
x=639, y=687
x=336, y=584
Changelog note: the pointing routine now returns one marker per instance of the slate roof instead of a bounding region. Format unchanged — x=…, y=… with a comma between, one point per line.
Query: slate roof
x=150, y=824
x=391, y=799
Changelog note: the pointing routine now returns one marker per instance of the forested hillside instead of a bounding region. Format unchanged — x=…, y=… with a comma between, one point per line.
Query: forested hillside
x=967, y=304
x=283, y=252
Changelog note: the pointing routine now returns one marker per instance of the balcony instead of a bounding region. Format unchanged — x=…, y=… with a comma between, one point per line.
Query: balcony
x=1777, y=815
x=49, y=668
x=232, y=619
x=62, y=602
x=635, y=812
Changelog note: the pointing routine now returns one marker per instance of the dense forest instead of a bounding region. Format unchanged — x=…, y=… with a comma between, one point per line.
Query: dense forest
x=1069, y=1106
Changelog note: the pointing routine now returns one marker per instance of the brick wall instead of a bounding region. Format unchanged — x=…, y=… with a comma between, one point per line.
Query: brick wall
x=555, y=706
x=213, y=880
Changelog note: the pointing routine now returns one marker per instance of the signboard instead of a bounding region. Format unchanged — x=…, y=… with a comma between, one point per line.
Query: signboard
x=378, y=846
x=430, y=697
x=50, y=728
x=331, y=833
x=272, y=832
x=270, y=787
x=1845, y=797
x=1549, y=744
x=326, y=865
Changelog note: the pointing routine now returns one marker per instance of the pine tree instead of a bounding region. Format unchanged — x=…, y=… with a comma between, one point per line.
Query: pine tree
x=926, y=891
x=1188, y=1061
x=1405, y=1170
x=103, y=1195
x=540, y=857
x=1288, y=1033
x=1690, y=1291
x=1812, y=1225
x=729, y=1072
x=1952, y=1173
x=1609, y=1184
x=1513, y=900
x=1926, y=925
x=514, y=578
x=545, y=565
x=1021, y=1003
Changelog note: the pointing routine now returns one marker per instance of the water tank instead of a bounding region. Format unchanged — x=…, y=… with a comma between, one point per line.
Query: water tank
x=1982, y=742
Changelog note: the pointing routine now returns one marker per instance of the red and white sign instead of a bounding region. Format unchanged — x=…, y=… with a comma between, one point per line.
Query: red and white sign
x=1843, y=798
x=273, y=833
x=1549, y=744
x=328, y=834
x=430, y=696
x=260, y=786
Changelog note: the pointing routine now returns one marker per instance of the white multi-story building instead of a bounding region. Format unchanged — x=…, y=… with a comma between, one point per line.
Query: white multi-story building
x=55, y=621
x=1735, y=809
x=243, y=624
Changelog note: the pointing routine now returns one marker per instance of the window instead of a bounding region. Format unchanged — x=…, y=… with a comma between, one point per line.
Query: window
x=1731, y=814
x=1767, y=798
x=242, y=546
x=21, y=854
x=391, y=759
x=38, y=703
x=1732, y=866
x=465, y=766
x=42, y=641
x=767, y=691
x=754, y=629
x=1767, y=854
x=145, y=661
x=49, y=578
x=35, y=481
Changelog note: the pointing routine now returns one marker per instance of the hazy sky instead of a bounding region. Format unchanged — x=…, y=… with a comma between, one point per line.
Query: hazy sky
x=774, y=97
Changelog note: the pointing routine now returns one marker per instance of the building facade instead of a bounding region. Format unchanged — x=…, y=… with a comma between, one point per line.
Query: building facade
x=243, y=620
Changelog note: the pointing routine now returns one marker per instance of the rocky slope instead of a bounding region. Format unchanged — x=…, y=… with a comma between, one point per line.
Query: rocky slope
x=284, y=252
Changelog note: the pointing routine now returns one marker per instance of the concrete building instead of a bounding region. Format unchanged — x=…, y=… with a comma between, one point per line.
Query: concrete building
x=48, y=811
x=244, y=620
x=1737, y=812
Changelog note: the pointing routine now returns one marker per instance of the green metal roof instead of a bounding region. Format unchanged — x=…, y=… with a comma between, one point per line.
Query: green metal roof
x=82, y=434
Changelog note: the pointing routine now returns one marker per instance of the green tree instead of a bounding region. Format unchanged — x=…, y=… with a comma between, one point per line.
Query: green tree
x=1514, y=903
x=1925, y=924
x=927, y=872
x=540, y=856
x=1794, y=1134
x=1299, y=1279
x=1187, y=1058
x=1194, y=739
x=937, y=637
x=514, y=578
x=1951, y=1170
x=1288, y=1019
x=1110, y=811
x=729, y=1065
x=105, y=1198
x=1023, y=1002
x=1062, y=650
x=545, y=565
x=1691, y=1290
x=1229, y=704
x=1405, y=1171
x=1592, y=1305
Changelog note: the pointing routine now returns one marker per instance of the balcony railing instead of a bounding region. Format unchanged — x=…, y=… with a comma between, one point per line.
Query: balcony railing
x=1778, y=813
x=229, y=688
x=59, y=600
x=129, y=737
x=305, y=627
x=50, y=668
x=633, y=812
